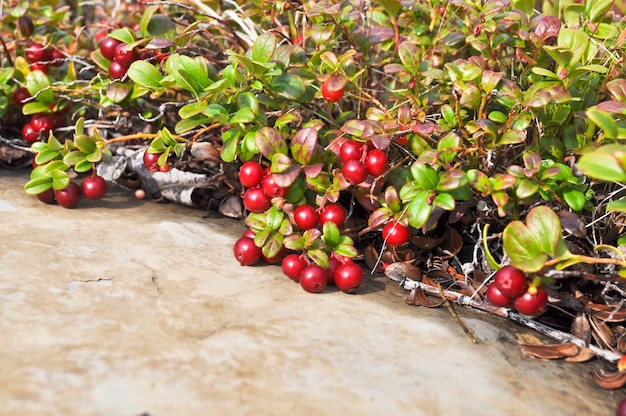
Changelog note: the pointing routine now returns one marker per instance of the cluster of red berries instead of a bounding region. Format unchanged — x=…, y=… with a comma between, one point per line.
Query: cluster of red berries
x=92, y=187
x=262, y=187
x=360, y=160
x=120, y=55
x=40, y=57
x=150, y=161
x=511, y=288
x=40, y=123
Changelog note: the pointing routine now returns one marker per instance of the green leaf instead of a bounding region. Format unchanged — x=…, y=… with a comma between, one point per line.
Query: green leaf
x=444, y=201
x=38, y=185
x=38, y=85
x=273, y=245
x=192, y=109
x=602, y=164
x=319, y=257
x=425, y=177
x=604, y=120
x=190, y=123
x=45, y=156
x=574, y=40
x=392, y=7
x=274, y=218
x=244, y=115
x=410, y=56
x=74, y=157
x=230, y=140
x=617, y=206
x=34, y=107
x=522, y=247
x=451, y=179
x=148, y=12
x=124, y=35
x=331, y=234
x=545, y=226
x=418, y=210
x=575, y=199
x=263, y=47
x=145, y=74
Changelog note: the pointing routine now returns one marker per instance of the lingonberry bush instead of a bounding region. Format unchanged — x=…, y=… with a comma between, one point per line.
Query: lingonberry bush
x=434, y=141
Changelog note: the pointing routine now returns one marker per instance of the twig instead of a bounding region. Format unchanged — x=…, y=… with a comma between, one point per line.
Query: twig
x=467, y=301
x=456, y=317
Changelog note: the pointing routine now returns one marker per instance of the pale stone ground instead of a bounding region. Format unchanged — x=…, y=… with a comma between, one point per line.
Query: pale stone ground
x=122, y=307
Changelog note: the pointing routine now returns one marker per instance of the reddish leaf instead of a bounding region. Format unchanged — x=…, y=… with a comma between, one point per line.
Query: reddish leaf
x=609, y=380
x=617, y=87
x=615, y=107
x=548, y=28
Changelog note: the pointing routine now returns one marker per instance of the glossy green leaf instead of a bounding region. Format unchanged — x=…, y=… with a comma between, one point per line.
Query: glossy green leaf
x=124, y=34
x=522, y=247
x=602, y=164
x=38, y=85
x=264, y=47
x=331, y=234
x=418, y=210
x=145, y=74
x=38, y=185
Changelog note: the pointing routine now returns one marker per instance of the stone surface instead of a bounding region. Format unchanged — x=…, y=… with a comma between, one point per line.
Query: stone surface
x=126, y=307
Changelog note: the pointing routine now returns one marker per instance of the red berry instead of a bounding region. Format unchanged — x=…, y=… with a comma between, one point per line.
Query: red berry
x=255, y=200
x=150, y=160
x=621, y=408
x=270, y=187
x=531, y=303
x=249, y=233
x=251, y=174
x=348, y=277
x=36, y=52
x=246, y=252
x=47, y=197
x=333, y=213
x=124, y=56
x=354, y=172
x=94, y=187
x=57, y=57
x=333, y=89
x=58, y=120
x=496, y=298
x=351, y=150
x=165, y=168
x=306, y=217
x=20, y=96
x=29, y=133
x=376, y=162
x=510, y=281
x=313, y=278
x=292, y=265
x=107, y=47
x=395, y=234
x=116, y=70
x=42, y=122
x=277, y=258
x=38, y=66
x=69, y=196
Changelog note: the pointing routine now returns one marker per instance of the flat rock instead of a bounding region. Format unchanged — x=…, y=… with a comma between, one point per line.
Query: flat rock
x=127, y=307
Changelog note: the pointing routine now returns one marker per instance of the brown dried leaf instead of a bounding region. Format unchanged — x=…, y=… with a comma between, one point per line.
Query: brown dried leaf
x=452, y=241
x=572, y=223
x=426, y=300
x=552, y=351
x=400, y=271
x=602, y=332
x=584, y=354
x=581, y=327
x=607, y=313
x=621, y=343
x=231, y=207
x=412, y=298
x=370, y=255
x=608, y=380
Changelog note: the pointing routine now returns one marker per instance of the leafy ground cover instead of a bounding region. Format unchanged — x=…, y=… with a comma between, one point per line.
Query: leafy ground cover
x=471, y=150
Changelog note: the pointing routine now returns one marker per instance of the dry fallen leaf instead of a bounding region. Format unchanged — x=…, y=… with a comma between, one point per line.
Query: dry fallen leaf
x=399, y=271
x=609, y=380
x=581, y=327
x=418, y=297
x=584, y=354
x=552, y=351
